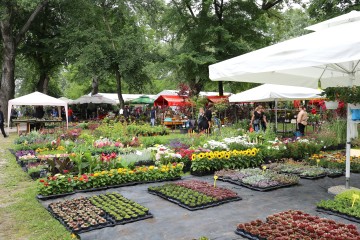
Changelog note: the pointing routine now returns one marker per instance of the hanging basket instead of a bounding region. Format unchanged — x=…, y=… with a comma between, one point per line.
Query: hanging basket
x=331, y=104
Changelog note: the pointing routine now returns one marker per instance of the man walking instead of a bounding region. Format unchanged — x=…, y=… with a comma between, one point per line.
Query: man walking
x=2, y=119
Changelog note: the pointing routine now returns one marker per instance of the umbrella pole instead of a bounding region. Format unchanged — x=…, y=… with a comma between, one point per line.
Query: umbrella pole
x=348, y=146
x=276, y=123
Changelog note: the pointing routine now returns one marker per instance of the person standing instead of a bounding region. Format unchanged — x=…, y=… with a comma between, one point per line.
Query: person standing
x=13, y=115
x=202, y=121
x=208, y=115
x=2, y=119
x=256, y=118
x=263, y=119
x=70, y=114
x=301, y=119
x=152, y=116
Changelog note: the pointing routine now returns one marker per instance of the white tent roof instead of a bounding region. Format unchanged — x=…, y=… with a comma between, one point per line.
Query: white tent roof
x=272, y=92
x=37, y=99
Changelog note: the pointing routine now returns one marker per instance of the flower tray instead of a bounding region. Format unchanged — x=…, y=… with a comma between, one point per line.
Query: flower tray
x=191, y=208
x=247, y=235
x=44, y=198
x=314, y=177
x=335, y=175
x=264, y=189
x=139, y=218
x=109, y=223
x=339, y=214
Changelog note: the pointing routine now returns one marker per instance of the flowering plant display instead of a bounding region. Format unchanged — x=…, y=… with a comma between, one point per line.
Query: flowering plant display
x=67, y=183
x=295, y=224
x=194, y=195
x=334, y=159
x=217, y=160
x=346, y=203
x=257, y=179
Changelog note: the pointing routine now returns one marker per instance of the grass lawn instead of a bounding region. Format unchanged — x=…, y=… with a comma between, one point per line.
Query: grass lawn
x=21, y=215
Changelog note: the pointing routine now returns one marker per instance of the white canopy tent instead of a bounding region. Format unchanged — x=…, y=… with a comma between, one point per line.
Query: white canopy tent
x=37, y=99
x=274, y=92
x=326, y=58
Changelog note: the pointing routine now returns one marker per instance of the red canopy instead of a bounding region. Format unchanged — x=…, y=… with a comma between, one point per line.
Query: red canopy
x=217, y=99
x=172, y=100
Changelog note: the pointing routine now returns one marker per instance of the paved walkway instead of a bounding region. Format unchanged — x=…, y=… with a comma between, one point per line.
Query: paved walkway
x=172, y=222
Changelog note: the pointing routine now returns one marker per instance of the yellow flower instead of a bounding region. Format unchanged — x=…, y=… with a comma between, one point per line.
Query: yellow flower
x=201, y=155
x=96, y=174
x=193, y=157
x=151, y=168
x=227, y=155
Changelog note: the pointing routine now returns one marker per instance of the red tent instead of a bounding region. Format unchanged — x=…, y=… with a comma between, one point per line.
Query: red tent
x=218, y=99
x=172, y=100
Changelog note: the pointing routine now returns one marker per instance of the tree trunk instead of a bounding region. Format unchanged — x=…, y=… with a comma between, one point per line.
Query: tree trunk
x=7, y=85
x=95, y=85
x=10, y=42
x=43, y=83
x=118, y=83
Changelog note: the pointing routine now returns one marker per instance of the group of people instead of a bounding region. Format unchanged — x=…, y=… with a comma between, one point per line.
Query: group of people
x=258, y=120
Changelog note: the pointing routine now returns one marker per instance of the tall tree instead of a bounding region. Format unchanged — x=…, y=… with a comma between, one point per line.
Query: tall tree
x=12, y=32
x=208, y=31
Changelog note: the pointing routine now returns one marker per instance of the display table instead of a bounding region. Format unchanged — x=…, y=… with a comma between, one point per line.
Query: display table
x=30, y=122
x=173, y=123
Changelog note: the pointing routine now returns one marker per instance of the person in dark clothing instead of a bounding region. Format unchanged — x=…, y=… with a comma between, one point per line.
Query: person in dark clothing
x=203, y=123
x=2, y=120
x=208, y=115
x=258, y=119
x=152, y=116
x=13, y=115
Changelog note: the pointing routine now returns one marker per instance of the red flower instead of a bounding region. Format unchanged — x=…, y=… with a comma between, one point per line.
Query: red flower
x=69, y=179
x=46, y=184
x=42, y=180
x=65, y=171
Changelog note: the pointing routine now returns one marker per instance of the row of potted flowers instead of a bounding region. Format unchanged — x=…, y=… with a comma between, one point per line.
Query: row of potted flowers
x=194, y=194
x=66, y=183
x=85, y=214
x=295, y=224
x=257, y=179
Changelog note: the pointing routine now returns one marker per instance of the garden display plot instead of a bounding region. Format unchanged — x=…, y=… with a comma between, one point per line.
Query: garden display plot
x=345, y=205
x=256, y=179
x=86, y=214
x=194, y=195
x=304, y=171
x=294, y=224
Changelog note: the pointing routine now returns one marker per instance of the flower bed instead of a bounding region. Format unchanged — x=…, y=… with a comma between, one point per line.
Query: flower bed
x=345, y=205
x=294, y=224
x=51, y=186
x=85, y=214
x=257, y=179
x=216, y=160
x=194, y=195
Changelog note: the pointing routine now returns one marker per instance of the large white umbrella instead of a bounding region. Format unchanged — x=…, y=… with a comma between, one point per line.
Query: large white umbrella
x=274, y=92
x=326, y=58
x=95, y=99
